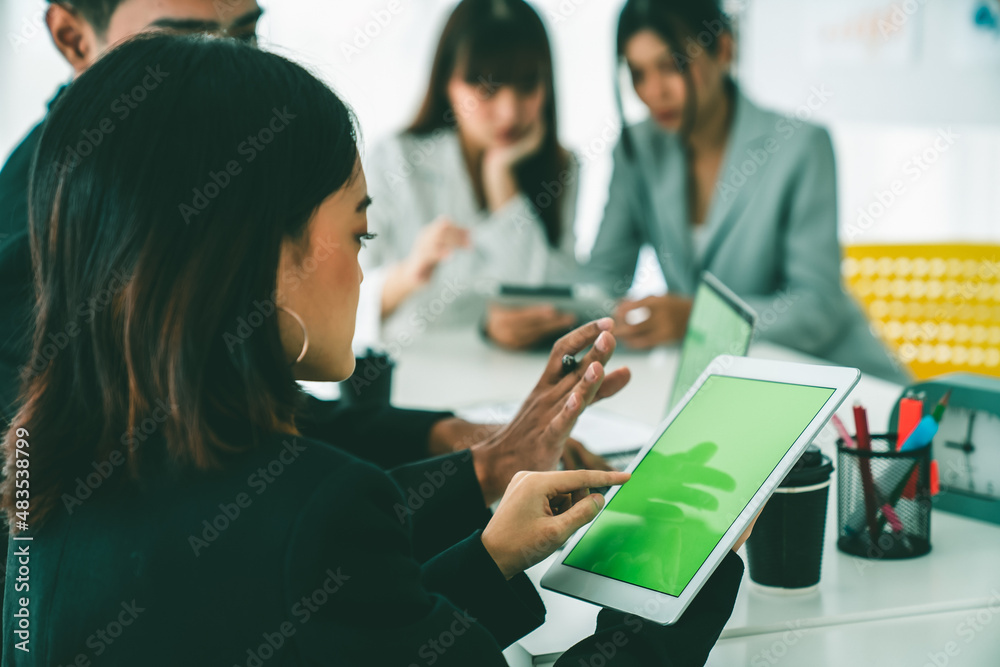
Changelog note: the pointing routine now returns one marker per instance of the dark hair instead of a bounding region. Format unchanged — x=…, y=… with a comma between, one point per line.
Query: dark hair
x=496, y=43
x=95, y=12
x=156, y=229
x=688, y=27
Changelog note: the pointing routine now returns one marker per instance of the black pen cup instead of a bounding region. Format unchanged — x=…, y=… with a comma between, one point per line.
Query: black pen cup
x=785, y=549
x=371, y=382
x=884, y=500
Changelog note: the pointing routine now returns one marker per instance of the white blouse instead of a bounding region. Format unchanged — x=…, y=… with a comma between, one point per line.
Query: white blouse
x=413, y=180
x=700, y=237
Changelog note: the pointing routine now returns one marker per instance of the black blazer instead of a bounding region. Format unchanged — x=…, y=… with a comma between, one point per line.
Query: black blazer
x=16, y=279
x=329, y=562
x=386, y=436
x=392, y=443
x=300, y=554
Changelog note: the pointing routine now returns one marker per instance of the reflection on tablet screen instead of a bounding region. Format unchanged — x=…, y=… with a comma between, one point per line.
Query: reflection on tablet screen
x=686, y=492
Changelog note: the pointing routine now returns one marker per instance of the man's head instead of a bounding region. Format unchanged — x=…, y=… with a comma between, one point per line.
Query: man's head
x=82, y=30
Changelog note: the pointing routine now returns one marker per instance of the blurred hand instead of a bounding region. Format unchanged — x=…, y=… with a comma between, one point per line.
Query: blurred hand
x=666, y=322
x=499, y=181
x=746, y=533
x=435, y=243
x=454, y=434
x=523, y=328
x=510, y=155
x=577, y=457
x=540, y=511
x=535, y=438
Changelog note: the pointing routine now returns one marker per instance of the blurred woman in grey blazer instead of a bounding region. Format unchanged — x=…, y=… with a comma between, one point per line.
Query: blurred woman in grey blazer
x=713, y=182
x=477, y=190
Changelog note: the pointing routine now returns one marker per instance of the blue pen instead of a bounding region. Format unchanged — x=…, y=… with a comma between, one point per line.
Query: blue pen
x=927, y=428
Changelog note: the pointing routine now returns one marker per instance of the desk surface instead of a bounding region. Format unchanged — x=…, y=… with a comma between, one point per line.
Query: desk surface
x=858, y=604
x=456, y=369
x=954, y=639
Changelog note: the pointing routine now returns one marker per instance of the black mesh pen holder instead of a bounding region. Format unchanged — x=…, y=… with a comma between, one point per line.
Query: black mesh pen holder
x=883, y=500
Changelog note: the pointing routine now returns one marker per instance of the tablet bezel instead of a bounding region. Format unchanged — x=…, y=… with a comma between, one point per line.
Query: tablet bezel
x=666, y=609
x=748, y=314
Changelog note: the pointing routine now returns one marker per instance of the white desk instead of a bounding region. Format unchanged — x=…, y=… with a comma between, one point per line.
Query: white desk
x=898, y=642
x=457, y=369
x=864, y=612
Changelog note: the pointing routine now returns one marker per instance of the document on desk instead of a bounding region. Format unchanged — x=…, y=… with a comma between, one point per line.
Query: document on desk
x=602, y=432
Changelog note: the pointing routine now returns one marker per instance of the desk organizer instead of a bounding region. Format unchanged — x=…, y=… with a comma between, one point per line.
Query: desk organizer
x=893, y=519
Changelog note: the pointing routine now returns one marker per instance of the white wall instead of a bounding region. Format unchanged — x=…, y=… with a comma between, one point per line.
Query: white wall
x=378, y=59
x=386, y=80
x=30, y=69
x=898, y=75
x=892, y=93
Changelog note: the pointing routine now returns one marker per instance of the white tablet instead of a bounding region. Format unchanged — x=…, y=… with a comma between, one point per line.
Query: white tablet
x=697, y=484
x=720, y=323
x=587, y=302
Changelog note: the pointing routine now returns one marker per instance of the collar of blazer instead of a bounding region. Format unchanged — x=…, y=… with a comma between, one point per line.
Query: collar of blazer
x=751, y=144
x=743, y=164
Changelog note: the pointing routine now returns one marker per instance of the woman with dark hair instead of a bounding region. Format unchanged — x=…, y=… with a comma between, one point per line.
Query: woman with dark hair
x=477, y=190
x=713, y=182
x=223, y=536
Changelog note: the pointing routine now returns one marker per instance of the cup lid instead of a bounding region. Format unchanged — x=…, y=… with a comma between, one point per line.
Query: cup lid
x=812, y=467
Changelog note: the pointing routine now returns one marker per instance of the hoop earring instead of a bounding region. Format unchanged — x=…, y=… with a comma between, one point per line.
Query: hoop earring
x=305, y=334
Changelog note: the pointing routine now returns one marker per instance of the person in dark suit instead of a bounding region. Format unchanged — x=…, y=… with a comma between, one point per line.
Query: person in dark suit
x=397, y=440
x=82, y=32
x=226, y=536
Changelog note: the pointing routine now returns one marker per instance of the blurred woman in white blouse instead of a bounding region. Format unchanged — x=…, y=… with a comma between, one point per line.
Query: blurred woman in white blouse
x=477, y=191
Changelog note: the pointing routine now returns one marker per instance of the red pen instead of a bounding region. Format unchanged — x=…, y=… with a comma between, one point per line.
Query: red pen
x=861, y=428
x=842, y=430
x=911, y=409
x=867, y=484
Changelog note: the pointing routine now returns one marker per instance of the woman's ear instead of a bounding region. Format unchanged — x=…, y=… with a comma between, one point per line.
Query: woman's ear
x=726, y=52
x=75, y=38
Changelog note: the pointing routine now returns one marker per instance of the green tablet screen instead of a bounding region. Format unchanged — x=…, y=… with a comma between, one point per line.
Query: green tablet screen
x=716, y=326
x=687, y=491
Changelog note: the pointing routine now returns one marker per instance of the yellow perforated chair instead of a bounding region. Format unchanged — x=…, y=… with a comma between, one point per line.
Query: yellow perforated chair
x=937, y=306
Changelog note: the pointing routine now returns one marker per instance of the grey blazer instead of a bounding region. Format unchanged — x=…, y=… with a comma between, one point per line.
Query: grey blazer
x=771, y=232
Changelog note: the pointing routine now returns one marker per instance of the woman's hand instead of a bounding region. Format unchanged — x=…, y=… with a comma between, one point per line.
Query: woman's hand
x=577, y=457
x=499, y=181
x=540, y=511
x=435, y=243
x=666, y=321
x=746, y=533
x=523, y=328
x=535, y=438
x=454, y=434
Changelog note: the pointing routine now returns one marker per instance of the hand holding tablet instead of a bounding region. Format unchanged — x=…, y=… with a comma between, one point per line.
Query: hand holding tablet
x=538, y=513
x=583, y=301
x=698, y=485
x=523, y=328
